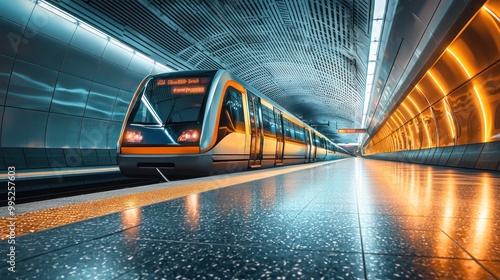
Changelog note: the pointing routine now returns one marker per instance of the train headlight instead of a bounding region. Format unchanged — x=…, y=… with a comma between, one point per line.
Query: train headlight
x=133, y=136
x=190, y=135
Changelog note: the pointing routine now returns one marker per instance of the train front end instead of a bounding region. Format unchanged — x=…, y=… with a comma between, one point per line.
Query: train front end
x=161, y=132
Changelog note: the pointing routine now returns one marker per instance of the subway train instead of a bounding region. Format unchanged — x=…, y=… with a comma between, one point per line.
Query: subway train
x=197, y=123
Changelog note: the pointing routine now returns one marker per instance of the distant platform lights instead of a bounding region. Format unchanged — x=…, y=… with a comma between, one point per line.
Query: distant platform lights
x=62, y=14
x=376, y=32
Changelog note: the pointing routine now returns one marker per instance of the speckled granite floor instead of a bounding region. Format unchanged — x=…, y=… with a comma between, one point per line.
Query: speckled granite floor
x=352, y=219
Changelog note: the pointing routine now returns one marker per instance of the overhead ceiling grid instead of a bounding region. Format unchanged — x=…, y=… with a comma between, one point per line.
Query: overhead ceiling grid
x=308, y=56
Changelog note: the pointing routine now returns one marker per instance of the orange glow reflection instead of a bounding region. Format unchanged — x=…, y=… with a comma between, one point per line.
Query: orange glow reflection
x=192, y=210
x=131, y=218
x=483, y=113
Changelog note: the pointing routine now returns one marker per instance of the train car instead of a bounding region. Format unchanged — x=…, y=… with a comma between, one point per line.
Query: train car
x=196, y=123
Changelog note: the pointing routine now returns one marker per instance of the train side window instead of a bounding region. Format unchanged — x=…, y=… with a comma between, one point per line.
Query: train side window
x=292, y=130
x=268, y=121
x=286, y=126
x=232, y=117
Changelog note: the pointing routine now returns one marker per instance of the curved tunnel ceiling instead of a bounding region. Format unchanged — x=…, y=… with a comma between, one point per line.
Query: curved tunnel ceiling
x=308, y=56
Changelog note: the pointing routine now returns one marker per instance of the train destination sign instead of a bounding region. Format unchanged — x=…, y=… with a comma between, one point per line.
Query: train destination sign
x=351, y=130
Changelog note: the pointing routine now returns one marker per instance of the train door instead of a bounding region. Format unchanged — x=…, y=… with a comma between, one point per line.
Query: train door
x=314, y=147
x=257, y=138
x=279, y=137
x=308, y=147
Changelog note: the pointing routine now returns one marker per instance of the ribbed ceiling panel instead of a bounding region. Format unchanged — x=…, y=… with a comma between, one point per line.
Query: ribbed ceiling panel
x=301, y=53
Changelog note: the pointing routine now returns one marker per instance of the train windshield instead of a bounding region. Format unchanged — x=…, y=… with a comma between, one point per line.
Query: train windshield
x=168, y=111
x=166, y=101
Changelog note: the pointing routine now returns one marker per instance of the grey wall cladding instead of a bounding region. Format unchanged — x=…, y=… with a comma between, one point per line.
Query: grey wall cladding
x=64, y=108
x=490, y=156
x=484, y=156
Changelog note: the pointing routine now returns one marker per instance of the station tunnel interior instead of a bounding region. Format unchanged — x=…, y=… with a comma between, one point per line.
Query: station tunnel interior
x=70, y=68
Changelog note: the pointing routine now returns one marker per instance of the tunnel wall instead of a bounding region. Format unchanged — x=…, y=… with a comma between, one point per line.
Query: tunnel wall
x=484, y=156
x=64, y=89
x=451, y=117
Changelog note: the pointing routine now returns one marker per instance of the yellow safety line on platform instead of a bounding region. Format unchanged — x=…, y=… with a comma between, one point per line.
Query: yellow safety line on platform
x=50, y=218
x=55, y=172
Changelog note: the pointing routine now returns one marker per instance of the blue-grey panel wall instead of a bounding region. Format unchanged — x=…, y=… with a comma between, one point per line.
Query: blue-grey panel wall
x=64, y=89
x=6, y=64
x=23, y=128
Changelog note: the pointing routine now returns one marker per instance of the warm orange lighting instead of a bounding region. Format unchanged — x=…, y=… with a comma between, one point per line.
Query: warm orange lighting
x=133, y=136
x=485, y=122
x=459, y=62
x=485, y=119
x=491, y=13
x=425, y=124
x=130, y=219
x=192, y=210
x=449, y=117
x=190, y=135
x=437, y=83
x=188, y=90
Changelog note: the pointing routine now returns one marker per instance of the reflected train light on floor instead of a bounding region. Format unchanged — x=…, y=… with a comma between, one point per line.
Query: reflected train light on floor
x=192, y=204
x=130, y=218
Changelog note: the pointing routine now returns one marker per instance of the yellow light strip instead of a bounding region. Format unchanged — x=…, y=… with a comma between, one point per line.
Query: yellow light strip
x=485, y=121
x=437, y=83
x=412, y=117
x=491, y=13
x=449, y=116
x=425, y=125
x=459, y=62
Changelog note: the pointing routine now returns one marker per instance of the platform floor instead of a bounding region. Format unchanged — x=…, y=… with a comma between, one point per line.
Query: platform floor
x=349, y=219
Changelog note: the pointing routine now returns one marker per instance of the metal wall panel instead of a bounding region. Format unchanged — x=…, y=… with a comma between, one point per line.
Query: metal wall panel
x=471, y=155
x=141, y=65
x=113, y=134
x=11, y=34
x=36, y=158
x=117, y=54
x=17, y=11
x=121, y=105
x=94, y=134
x=89, y=42
x=1, y=122
x=70, y=95
x=103, y=157
x=447, y=151
x=50, y=24
x=52, y=55
x=437, y=156
x=3, y=166
x=31, y=86
x=63, y=131
x=430, y=156
x=490, y=156
x=131, y=81
x=87, y=63
x=100, y=101
x=55, y=157
x=89, y=157
x=456, y=156
x=14, y=157
x=6, y=64
x=110, y=74
x=17, y=122
x=73, y=157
